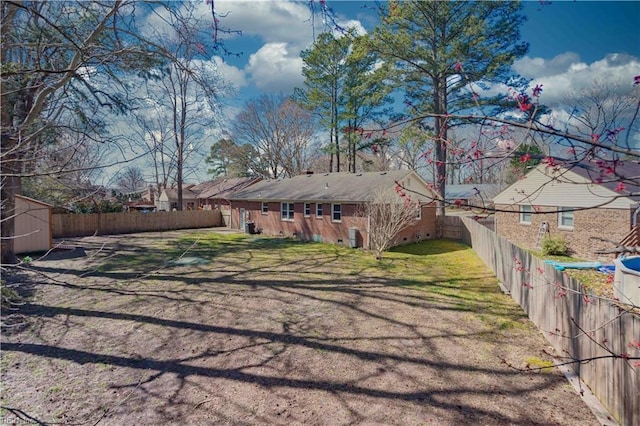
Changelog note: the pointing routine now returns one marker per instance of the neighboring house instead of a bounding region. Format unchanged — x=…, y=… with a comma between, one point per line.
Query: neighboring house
x=168, y=199
x=477, y=195
x=216, y=194
x=328, y=207
x=33, y=224
x=580, y=203
x=151, y=194
x=141, y=206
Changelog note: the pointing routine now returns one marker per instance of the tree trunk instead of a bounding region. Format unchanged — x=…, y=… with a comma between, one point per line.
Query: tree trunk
x=335, y=125
x=440, y=103
x=11, y=185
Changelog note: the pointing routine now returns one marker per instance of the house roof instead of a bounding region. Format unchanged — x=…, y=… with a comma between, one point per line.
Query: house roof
x=223, y=188
x=199, y=187
x=337, y=187
x=187, y=194
x=611, y=175
x=470, y=190
x=583, y=185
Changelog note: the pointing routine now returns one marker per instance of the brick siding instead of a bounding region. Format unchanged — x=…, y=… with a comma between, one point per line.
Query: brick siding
x=612, y=224
x=314, y=228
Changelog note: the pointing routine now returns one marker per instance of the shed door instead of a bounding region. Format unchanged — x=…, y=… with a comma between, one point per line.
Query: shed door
x=242, y=219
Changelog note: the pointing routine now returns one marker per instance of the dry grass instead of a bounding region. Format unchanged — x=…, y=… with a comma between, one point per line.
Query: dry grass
x=201, y=328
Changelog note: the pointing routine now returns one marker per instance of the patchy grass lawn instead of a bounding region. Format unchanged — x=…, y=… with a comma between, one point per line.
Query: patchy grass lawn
x=201, y=328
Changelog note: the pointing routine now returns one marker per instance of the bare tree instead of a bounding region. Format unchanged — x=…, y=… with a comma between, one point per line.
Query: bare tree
x=131, y=179
x=410, y=149
x=185, y=94
x=62, y=72
x=280, y=131
x=388, y=214
x=602, y=109
x=300, y=128
x=154, y=133
x=63, y=174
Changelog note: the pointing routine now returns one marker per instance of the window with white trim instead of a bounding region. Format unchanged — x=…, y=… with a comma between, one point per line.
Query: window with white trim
x=525, y=214
x=319, y=210
x=336, y=212
x=307, y=209
x=265, y=207
x=286, y=211
x=565, y=218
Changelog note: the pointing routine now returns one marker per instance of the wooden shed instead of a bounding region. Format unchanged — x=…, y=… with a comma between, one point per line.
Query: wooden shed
x=33, y=226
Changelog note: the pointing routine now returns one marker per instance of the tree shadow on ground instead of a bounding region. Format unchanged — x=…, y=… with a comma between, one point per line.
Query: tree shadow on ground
x=334, y=333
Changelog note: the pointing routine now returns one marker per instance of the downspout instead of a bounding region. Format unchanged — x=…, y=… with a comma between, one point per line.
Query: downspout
x=369, y=231
x=634, y=221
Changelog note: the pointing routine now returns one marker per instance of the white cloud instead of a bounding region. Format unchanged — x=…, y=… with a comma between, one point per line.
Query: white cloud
x=279, y=30
x=566, y=74
x=285, y=27
x=539, y=67
x=229, y=73
x=271, y=21
x=273, y=69
x=350, y=23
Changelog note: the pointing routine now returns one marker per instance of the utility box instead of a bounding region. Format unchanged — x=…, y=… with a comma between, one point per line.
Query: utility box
x=250, y=228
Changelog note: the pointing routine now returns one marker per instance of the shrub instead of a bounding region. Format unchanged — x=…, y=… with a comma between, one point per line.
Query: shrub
x=554, y=246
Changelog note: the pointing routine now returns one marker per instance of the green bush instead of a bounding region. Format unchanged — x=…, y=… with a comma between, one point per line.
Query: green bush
x=554, y=246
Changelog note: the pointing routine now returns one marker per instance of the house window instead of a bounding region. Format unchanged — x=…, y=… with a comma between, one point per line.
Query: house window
x=336, y=213
x=286, y=211
x=307, y=209
x=265, y=207
x=319, y=210
x=565, y=218
x=525, y=215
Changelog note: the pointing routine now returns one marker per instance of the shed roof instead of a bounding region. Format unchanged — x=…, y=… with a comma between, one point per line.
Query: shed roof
x=336, y=187
x=31, y=200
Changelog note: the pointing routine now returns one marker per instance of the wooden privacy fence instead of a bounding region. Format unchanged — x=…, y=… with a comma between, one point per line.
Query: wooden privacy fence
x=78, y=225
x=575, y=322
x=450, y=227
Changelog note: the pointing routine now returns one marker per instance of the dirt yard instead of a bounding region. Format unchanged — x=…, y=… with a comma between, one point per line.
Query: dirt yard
x=196, y=328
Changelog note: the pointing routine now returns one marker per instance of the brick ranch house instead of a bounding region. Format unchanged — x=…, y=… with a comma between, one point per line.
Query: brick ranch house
x=579, y=203
x=328, y=207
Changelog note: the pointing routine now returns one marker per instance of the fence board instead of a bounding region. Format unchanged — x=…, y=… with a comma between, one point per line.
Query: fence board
x=78, y=225
x=556, y=304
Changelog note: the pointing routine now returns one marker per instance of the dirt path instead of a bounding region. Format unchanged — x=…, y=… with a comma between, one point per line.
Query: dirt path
x=253, y=335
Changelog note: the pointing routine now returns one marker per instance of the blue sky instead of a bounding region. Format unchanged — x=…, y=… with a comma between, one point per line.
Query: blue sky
x=571, y=43
x=592, y=29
